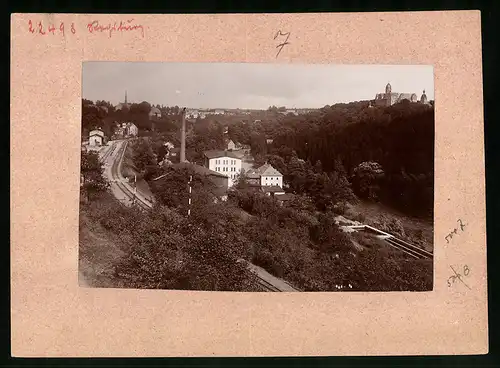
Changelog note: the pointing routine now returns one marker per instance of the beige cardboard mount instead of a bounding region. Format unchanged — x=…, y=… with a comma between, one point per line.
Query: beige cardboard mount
x=53, y=317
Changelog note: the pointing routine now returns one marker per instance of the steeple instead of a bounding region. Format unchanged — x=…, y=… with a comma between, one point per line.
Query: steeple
x=125, y=96
x=423, y=99
x=388, y=88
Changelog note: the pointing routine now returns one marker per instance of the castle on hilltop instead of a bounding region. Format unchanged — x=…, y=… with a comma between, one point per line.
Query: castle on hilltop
x=390, y=98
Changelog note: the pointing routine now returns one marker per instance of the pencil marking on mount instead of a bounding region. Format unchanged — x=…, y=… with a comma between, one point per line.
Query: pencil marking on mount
x=455, y=231
x=459, y=277
x=281, y=45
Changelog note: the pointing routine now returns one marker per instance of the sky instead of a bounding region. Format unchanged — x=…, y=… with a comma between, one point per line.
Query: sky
x=249, y=85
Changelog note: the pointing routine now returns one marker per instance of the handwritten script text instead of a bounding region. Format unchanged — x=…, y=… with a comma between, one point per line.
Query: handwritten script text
x=455, y=231
x=95, y=27
x=459, y=276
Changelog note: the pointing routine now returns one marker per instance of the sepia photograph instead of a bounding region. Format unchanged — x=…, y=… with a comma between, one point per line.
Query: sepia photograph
x=254, y=177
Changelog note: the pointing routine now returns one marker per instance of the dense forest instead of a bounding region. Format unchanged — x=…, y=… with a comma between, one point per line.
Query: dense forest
x=398, y=140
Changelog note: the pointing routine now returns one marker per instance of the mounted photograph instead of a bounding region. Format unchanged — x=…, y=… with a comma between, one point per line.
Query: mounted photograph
x=257, y=177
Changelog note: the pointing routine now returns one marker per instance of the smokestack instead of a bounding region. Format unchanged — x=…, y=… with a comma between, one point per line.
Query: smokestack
x=183, y=136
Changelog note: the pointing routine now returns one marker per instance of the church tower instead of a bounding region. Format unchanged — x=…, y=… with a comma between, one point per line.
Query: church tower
x=423, y=99
x=388, y=89
x=125, y=97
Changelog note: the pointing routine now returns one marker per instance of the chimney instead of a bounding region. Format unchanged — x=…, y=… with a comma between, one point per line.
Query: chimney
x=183, y=136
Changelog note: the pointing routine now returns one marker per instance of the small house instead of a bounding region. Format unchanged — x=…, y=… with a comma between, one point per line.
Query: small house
x=96, y=137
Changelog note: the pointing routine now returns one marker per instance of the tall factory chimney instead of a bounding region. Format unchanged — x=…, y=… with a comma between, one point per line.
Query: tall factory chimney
x=183, y=136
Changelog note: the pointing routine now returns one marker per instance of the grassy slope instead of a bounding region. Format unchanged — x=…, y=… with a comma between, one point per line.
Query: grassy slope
x=99, y=251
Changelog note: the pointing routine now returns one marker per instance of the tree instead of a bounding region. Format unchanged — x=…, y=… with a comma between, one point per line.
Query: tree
x=93, y=180
x=92, y=116
x=143, y=155
x=367, y=176
x=318, y=167
x=241, y=181
x=173, y=189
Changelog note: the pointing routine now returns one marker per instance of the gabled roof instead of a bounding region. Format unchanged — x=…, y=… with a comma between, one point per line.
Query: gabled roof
x=217, y=153
x=98, y=132
x=268, y=170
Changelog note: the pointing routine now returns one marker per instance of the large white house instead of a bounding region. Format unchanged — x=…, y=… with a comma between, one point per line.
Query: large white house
x=225, y=162
x=267, y=178
x=96, y=137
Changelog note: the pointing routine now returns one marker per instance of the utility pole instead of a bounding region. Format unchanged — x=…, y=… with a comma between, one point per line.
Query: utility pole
x=183, y=136
x=189, y=199
x=135, y=189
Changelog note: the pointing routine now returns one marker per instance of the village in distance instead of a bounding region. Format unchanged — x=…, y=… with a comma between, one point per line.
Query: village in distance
x=272, y=197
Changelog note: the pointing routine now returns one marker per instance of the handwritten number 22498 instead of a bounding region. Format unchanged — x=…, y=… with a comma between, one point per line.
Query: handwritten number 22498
x=50, y=29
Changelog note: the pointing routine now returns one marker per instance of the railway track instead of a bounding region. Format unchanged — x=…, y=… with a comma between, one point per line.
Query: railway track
x=267, y=286
x=412, y=250
x=116, y=177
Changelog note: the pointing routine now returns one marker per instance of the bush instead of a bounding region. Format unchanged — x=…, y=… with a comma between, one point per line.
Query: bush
x=340, y=208
x=389, y=224
x=359, y=217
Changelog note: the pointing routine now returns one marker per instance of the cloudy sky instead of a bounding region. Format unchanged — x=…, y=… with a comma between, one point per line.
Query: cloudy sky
x=246, y=85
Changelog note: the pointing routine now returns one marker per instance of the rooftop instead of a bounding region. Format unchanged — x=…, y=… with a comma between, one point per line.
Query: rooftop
x=264, y=170
x=199, y=169
x=220, y=153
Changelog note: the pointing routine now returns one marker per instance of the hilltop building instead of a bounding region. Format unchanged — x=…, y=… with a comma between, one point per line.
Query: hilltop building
x=225, y=162
x=390, y=98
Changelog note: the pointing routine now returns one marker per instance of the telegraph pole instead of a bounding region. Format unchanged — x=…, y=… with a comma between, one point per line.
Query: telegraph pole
x=189, y=199
x=135, y=189
x=183, y=136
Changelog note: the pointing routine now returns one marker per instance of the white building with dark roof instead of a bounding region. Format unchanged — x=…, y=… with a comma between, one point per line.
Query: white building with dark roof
x=267, y=178
x=225, y=162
